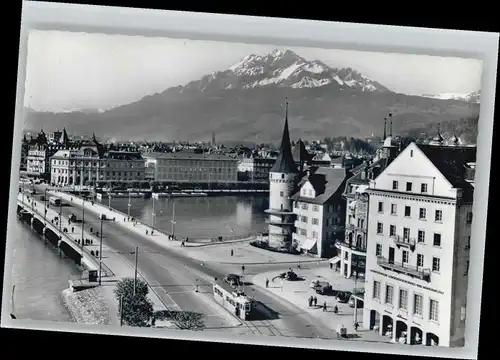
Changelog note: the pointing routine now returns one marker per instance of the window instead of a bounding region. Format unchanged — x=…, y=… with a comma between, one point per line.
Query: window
x=420, y=260
x=389, y=294
x=438, y=215
x=315, y=235
x=380, y=206
x=407, y=211
x=303, y=219
x=467, y=247
x=469, y=218
x=436, y=263
x=422, y=213
x=421, y=236
x=403, y=299
x=406, y=233
x=378, y=250
x=282, y=193
x=392, y=230
x=408, y=186
x=394, y=185
x=304, y=206
x=380, y=228
x=376, y=290
x=433, y=310
x=405, y=257
x=346, y=256
x=418, y=304
x=466, y=270
x=394, y=209
x=303, y=232
x=411, y=153
x=315, y=208
x=315, y=221
x=423, y=188
x=437, y=240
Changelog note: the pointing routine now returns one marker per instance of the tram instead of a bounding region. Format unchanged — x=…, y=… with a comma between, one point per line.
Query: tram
x=232, y=299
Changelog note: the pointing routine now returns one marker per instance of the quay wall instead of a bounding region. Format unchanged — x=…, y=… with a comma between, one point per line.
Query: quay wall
x=87, y=306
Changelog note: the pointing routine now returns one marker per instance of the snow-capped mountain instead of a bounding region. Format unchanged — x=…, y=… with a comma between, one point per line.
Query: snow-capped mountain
x=472, y=97
x=284, y=69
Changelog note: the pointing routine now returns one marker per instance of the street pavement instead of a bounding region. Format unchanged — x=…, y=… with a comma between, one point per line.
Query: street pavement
x=299, y=292
x=167, y=267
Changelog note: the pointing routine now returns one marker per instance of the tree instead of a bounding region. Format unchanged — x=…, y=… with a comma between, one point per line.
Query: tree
x=188, y=320
x=137, y=309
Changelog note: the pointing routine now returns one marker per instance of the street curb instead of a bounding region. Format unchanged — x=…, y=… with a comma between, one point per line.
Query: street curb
x=270, y=262
x=217, y=243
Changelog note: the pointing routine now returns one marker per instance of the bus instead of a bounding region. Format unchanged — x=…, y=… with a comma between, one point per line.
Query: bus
x=54, y=201
x=232, y=299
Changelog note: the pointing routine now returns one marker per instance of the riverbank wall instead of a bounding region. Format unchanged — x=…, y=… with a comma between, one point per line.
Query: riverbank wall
x=87, y=306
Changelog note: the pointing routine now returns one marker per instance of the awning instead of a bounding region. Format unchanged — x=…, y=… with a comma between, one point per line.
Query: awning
x=334, y=260
x=362, y=188
x=308, y=244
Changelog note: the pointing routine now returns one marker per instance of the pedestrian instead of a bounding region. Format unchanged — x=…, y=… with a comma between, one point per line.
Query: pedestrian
x=336, y=309
x=298, y=266
x=97, y=253
x=92, y=252
x=242, y=268
x=310, y=300
x=91, y=242
x=232, y=252
x=267, y=282
x=124, y=219
x=324, y=306
x=182, y=243
x=152, y=232
x=72, y=229
x=356, y=326
x=331, y=266
x=315, y=301
x=147, y=233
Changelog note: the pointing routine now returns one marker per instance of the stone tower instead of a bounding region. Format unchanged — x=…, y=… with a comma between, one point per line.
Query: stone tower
x=283, y=178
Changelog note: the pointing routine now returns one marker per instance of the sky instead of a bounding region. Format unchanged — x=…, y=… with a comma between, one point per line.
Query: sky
x=67, y=71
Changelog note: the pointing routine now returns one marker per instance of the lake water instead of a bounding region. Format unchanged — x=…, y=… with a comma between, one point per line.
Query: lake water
x=39, y=275
x=201, y=217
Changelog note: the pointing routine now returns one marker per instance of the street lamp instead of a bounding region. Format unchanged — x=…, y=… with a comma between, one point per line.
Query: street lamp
x=44, y=206
x=83, y=223
x=354, y=291
x=109, y=199
x=100, y=254
x=173, y=219
x=135, y=271
x=129, y=205
x=153, y=216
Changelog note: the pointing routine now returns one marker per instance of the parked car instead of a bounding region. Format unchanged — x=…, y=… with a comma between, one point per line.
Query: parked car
x=321, y=287
x=343, y=297
x=352, y=300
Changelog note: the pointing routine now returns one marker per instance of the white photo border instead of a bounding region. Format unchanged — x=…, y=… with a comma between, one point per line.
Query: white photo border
x=285, y=32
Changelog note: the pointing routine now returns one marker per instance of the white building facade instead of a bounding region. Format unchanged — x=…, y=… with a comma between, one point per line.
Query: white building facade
x=419, y=227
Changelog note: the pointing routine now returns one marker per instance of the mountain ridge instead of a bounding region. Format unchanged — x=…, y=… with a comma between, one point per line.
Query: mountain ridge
x=245, y=102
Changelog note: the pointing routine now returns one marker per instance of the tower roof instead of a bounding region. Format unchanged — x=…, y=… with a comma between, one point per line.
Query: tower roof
x=285, y=163
x=300, y=153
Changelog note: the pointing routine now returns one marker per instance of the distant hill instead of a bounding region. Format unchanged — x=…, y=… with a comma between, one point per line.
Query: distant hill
x=245, y=103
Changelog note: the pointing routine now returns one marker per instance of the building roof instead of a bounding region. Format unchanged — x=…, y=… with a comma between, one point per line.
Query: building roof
x=300, y=153
x=188, y=155
x=326, y=182
x=452, y=162
x=285, y=163
x=123, y=155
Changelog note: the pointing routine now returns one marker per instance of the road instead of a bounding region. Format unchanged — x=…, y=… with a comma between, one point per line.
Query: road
x=174, y=276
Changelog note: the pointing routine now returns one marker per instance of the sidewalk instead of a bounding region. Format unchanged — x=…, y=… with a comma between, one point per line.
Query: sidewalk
x=118, y=267
x=298, y=293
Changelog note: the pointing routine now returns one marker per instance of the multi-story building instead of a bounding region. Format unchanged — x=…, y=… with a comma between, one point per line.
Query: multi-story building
x=419, y=228
x=191, y=167
x=319, y=210
x=255, y=169
x=92, y=165
x=283, y=178
x=351, y=258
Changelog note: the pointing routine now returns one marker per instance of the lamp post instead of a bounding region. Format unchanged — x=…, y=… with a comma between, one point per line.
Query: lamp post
x=173, y=219
x=354, y=291
x=44, y=206
x=100, y=253
x=109, y=200
x=129, y=205
x=135, y=271
x=83, y=223
x=153, y=216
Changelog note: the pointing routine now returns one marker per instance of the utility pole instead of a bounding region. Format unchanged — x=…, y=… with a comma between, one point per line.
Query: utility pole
x=173, y=219
x=121, y=310
x=83, y=223
x=153, y=216
x=129, y=205
x=60, y=217
x=135, y=272
x=44, y=207
x=100, y=254
x=109, y=200
x=354, y=292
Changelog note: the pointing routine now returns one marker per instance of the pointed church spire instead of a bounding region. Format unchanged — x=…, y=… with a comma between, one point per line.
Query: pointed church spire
x=390, y=124
x=385, y=128
x=285, y=163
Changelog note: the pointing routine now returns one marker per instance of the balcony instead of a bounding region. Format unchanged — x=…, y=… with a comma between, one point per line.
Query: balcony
x=402, y=241
x=352, y=227
x=358, y=249
x=280, y=222
x=404, y=268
